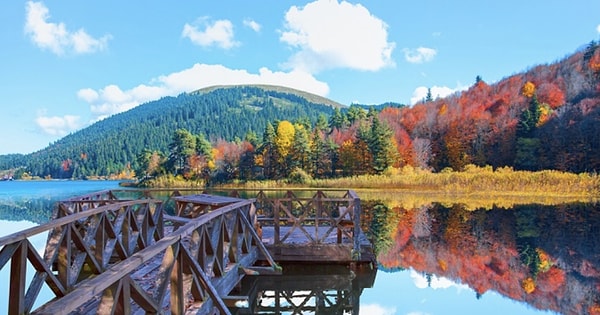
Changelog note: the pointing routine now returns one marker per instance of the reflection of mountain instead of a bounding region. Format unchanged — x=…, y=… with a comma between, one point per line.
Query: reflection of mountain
x=546, y=256
x=37, y=210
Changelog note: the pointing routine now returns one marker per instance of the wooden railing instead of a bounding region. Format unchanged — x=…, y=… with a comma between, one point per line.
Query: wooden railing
x=79, y=246
x=315, y=220
x=301, y=216
x=84, y=202
x=201, y=262
x=107, y=252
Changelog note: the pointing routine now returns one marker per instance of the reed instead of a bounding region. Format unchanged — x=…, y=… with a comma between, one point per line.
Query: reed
x=473, y=181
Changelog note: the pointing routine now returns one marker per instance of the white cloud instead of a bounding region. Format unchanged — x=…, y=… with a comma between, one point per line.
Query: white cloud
x=55, y=36
x=420, y=93
x=420, y=282
x=112, y=99
x=219, y=33
x=58, y=126
x=376, y=309
x=419, y=55
x=331, y=34
x=88, y=95
x=598, y=28
x=253, y=25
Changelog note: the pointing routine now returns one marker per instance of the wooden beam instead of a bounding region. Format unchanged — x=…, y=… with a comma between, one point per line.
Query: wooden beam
x=18, y=269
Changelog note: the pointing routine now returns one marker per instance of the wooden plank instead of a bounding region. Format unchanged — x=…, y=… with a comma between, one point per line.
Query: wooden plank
x=317, y=254
x=18, y=269
x=206, y=199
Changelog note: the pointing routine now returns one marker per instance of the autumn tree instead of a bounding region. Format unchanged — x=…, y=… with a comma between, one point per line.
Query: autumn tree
x=149, y=163
x=284, y=139
x=528, y=89
x=355, y=158
x=422, y=152
x=247, y=161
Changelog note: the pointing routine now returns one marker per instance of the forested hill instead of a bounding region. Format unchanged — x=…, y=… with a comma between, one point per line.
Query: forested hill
x=111, y=145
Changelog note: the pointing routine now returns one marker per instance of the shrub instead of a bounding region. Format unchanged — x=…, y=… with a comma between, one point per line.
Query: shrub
x=299, y=176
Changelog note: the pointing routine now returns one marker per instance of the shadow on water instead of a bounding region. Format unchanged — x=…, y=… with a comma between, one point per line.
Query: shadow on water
x=546, y=256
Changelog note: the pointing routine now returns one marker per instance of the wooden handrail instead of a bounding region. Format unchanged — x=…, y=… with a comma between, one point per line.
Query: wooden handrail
x=21, y=235
x=180, y=262
x=79, y=246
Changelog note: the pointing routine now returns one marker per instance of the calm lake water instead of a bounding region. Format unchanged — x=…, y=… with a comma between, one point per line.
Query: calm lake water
x=434, y=259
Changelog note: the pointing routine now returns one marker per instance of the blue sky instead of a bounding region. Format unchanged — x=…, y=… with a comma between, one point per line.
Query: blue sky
x=66, y=64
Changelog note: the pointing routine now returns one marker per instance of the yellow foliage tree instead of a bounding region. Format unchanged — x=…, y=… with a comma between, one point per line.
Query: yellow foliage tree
x=284, y=138
x=545, y=112
x=528, y=89
x=528, y=285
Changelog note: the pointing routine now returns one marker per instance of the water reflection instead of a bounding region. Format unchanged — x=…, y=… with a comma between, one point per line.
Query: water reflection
x=546, y=256
x=36, y=210
x=306, y=289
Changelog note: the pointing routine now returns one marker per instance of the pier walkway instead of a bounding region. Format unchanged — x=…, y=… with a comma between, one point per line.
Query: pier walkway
x=185, y=251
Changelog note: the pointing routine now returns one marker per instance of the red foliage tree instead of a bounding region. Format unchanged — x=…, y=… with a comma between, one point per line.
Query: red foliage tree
x=550, y=94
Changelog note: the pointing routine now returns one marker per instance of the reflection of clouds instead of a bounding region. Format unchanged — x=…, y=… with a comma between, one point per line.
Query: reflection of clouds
x=38, y=241
x=293, y=298
x=421, y=282
x=10, y=227
x=376, y=309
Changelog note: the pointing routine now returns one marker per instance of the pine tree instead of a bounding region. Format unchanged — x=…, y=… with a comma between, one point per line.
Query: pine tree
x=181, y=148
x=301, y=150
x=267, y=153
x=381, y=146
x=337, y=119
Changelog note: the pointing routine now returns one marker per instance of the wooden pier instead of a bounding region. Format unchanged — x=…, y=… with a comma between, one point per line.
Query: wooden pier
x=178, y=251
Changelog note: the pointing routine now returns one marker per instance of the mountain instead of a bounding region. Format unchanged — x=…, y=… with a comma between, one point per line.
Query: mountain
x=111, y=145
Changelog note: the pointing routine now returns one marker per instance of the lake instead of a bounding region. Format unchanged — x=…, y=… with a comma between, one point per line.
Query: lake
x=433, y=258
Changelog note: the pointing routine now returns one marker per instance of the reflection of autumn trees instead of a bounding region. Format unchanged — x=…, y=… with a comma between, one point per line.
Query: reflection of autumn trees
x=547, y=256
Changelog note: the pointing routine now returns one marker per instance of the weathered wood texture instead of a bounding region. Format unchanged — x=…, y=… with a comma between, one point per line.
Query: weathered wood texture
x=201, y=261
x=107, y=252
x=324, y=224
x=79, y=246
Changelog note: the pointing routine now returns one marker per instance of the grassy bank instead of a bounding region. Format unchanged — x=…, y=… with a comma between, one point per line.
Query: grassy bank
x=474, y=181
